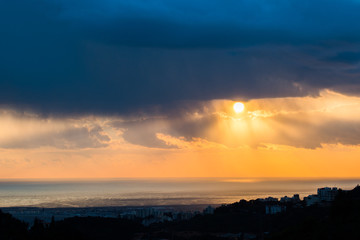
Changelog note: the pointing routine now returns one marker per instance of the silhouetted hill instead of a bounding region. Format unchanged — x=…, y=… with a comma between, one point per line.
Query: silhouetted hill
x=11, y=228
x=91, y=228
x=236, y=217
x=341, y=221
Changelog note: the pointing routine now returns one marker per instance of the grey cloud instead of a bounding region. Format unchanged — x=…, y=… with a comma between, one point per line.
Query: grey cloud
x=141, y=132
x=313, y=135
x=70, y=138
x=308, y=134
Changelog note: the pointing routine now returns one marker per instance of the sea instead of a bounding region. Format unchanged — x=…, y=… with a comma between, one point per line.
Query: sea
x=155, y=192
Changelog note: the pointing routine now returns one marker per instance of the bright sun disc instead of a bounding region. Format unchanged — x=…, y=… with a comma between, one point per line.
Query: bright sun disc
x=239, y=107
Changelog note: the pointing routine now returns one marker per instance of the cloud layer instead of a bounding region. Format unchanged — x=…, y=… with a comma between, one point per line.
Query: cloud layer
x=273, y=137
x=303, y=122
x=27, y=131
x=117, y=57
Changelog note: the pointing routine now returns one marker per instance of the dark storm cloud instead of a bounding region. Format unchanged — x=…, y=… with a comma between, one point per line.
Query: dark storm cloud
x=108, y=57
x=346, y=57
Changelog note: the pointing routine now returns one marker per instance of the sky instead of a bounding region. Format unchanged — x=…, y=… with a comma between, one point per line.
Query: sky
x=143, y=89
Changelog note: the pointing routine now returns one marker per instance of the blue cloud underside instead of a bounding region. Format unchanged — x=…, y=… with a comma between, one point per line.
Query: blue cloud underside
x=118, y=56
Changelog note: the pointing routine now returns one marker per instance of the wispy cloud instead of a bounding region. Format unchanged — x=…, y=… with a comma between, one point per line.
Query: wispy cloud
x=307, y=122
x=21, y=131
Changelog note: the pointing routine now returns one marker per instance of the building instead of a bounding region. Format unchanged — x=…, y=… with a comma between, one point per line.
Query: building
x=145, y=212
x=285, y=199
x=271, y=199
x=274, y=209
x=268, y=199
x=327, y=194
x=296, y=198
x=209, y=210
x=312, y=199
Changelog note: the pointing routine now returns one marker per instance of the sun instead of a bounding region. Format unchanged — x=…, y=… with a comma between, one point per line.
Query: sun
x=239, y=107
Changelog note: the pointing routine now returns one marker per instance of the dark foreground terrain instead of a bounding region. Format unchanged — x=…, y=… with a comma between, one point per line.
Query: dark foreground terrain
x=339, y=219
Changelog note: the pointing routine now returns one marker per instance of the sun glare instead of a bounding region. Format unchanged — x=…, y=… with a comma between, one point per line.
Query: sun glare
x=239, y=107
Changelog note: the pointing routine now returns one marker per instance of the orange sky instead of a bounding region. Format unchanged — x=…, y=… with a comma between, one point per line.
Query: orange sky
x=283, y=137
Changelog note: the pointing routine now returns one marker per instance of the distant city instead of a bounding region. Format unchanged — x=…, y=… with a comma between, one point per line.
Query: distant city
x=331, y=213
x=158, y=214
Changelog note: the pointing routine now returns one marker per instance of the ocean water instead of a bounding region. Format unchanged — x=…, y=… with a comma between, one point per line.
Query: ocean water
x=151, y=192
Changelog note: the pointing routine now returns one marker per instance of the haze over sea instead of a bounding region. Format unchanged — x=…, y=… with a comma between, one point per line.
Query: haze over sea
x=141, y=192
